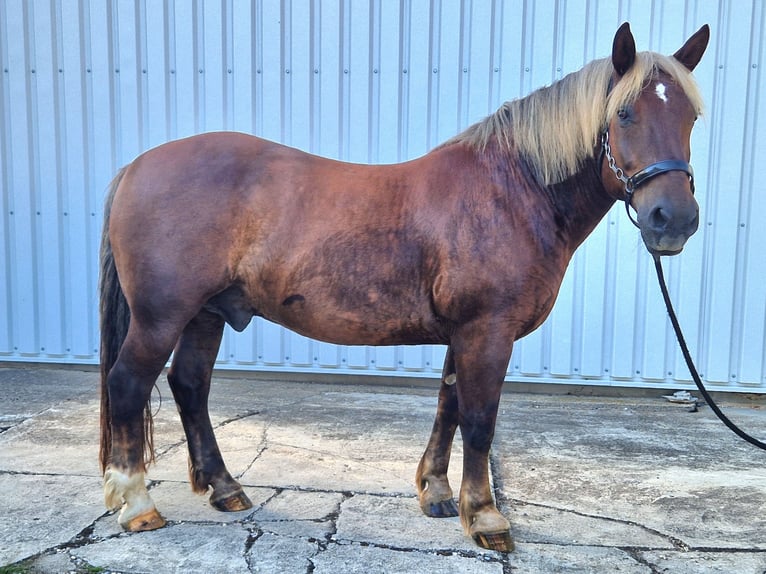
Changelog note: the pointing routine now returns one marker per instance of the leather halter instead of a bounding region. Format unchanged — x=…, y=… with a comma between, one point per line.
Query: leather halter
x=642, y=176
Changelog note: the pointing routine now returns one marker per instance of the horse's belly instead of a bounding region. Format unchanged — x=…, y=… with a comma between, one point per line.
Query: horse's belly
x=372, y=323
x=336, y=317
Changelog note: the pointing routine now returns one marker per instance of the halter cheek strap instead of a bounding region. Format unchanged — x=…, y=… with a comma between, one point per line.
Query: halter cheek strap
x=640, y=177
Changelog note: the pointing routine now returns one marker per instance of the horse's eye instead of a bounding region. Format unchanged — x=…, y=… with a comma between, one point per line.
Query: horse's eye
x=623, y=114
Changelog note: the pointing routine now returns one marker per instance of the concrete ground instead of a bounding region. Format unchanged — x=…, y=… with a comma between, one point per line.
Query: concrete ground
x=590, y=484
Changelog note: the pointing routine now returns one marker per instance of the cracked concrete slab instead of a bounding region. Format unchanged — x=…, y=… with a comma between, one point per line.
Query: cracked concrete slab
x=355, y=558
x=239, y=442
x=706, y=562
x=628, y=464
x=391, y=522
x=590, y=484
x=544, y=558
x=274, y=553
x=551, y=525
x=307, y=515
x=176, y=548
x=42, y=511
x=25, y=447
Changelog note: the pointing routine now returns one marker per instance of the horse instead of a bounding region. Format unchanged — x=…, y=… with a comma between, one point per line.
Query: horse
x=465, y=246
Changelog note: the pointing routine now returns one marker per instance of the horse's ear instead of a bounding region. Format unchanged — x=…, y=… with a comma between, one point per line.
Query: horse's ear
x=623, y=50
x=690, y=53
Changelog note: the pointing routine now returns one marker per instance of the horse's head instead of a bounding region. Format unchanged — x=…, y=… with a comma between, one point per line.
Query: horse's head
x=646, y=144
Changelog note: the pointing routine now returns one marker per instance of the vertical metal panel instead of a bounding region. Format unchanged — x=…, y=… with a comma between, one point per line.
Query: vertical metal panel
x=748, y=362
x=86, y=86
x=24, y=250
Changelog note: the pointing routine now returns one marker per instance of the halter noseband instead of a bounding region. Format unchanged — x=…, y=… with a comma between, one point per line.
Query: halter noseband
x=640, y=177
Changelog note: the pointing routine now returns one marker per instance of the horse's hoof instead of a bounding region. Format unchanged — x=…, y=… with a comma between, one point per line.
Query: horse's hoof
x=232, y=503
x=150, y=520
x=500, y=541
x=441, y=509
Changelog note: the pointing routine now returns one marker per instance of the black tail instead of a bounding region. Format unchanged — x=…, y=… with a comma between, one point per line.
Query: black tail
x=114, y=321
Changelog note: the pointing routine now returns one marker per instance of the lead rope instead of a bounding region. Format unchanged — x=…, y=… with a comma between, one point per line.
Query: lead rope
x=689, y=363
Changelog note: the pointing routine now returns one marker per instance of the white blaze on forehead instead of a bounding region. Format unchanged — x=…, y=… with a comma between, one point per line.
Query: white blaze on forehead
x=659, y=89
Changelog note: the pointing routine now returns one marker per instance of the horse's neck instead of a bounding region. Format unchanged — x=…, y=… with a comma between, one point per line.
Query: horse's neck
x=582, y=200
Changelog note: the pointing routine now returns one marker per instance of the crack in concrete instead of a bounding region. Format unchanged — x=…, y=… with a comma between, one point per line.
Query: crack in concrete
x=676, y=543
x=235, y=418
x=158, y=453
x=253, y=534
x=478, y=555
x=260, y=449
x=334, y=516
x=636, y=557
x=37, y=473
x=172, y=446
x=309, y=489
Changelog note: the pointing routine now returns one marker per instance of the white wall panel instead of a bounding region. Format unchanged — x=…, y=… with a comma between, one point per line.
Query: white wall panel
x=87, y=85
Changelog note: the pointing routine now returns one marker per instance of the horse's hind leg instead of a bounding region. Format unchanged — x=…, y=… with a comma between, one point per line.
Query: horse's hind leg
x=189, y=379
x=130, y=381
x=434, y=491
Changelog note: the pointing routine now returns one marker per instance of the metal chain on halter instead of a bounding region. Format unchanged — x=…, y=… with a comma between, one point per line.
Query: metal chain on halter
x=611, y=162
x=619, y=173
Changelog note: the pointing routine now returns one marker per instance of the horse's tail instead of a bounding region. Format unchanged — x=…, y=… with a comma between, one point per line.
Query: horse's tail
x=114, y=319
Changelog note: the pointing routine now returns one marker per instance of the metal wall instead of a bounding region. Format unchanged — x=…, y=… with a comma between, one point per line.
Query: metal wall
x=87, y=85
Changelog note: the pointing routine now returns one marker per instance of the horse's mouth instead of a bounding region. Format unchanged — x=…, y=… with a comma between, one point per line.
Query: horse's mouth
x=664, y=252
x=664, y=244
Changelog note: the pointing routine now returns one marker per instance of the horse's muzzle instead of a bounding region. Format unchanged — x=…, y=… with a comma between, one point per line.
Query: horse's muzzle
x=665, y=226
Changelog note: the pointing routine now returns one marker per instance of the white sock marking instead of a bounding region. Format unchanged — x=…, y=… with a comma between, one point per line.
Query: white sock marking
x=128, y=492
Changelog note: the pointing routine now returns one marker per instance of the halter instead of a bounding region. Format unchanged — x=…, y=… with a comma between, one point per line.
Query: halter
x=639, y=178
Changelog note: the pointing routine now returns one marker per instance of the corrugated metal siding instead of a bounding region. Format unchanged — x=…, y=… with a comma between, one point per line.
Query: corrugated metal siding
x=87, y=85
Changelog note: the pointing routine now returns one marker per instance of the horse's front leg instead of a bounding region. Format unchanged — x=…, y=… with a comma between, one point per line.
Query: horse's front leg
x=434, y=491
x=481, y=361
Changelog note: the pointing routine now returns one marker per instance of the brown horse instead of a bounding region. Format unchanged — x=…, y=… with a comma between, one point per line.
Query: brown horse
x=465, y=246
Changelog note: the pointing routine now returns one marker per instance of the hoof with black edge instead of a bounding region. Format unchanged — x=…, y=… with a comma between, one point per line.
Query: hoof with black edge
x=499, y=541
x=441, y=509
x=233, y=503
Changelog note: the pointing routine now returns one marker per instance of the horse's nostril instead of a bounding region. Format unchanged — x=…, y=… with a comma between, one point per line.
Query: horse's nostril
x=667, y=220
x=659, y=218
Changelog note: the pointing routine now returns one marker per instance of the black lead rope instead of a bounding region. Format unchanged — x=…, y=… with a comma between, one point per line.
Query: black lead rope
x=630, y=184
x=689, y=363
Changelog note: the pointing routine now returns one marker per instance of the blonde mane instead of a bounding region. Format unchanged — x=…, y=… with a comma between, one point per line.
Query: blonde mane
x=557, y=127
